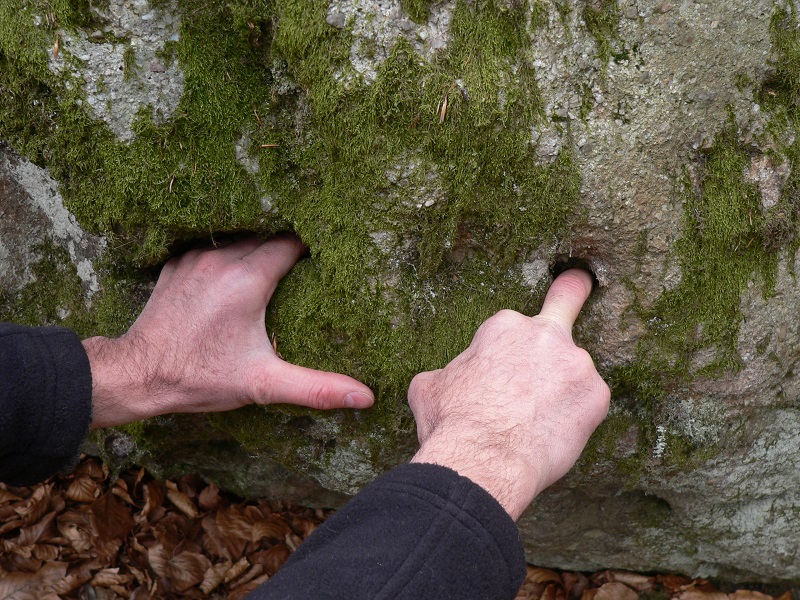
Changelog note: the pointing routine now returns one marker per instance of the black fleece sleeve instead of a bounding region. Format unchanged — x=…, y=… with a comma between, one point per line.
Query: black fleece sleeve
x=419, y=532
x=45, y=401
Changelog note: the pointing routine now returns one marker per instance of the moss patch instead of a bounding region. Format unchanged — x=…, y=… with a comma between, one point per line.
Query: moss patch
x=55, y=297
x=418, y=10
x=602, y=21
x=417, y=194
x=729, y=241
x=724, y=247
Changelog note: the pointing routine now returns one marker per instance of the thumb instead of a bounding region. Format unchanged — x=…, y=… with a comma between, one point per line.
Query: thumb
x=285, y=383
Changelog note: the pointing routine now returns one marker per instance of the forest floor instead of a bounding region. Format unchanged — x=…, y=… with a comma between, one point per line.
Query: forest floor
x=89, y=536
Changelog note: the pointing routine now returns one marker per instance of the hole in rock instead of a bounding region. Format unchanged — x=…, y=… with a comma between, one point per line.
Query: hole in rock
x=565, y=263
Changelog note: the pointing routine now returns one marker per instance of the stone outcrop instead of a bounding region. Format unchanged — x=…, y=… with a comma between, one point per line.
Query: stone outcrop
x=440, y=158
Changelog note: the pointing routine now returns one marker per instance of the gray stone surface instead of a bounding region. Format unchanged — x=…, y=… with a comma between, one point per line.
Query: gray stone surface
x=124, y=67
x=32, y=213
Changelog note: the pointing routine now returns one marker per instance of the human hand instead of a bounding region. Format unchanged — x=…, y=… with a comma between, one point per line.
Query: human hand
x=200, y=344
x=515, y=409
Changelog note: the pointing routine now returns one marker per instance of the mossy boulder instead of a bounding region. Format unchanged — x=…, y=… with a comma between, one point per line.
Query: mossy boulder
x=439, y=159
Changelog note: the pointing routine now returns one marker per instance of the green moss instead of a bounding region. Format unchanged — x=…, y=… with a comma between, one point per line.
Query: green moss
x=729, y=241
x=172, y=180
x=54, y=297
x=350, y=162
x=129, y=66
x=724, y=247
x=418, y=10
x=602, y=21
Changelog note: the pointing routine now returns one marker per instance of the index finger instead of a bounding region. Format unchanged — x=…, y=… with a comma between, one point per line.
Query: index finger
x=566, y=297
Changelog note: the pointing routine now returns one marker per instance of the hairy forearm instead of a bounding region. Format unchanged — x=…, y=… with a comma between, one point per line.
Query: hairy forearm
x=125, y=387
x=487, y=460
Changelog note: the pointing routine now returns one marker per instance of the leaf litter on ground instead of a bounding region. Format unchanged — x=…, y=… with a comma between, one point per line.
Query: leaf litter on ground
x=90, y=536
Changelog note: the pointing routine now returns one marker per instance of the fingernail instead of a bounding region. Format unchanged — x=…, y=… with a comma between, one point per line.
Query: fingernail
x=358, y=400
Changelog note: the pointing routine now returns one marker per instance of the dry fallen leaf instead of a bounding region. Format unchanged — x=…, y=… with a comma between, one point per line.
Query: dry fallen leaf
x=83, y=489
x=237, y=569
x=674, y=583
x=538, y=575
x=209, y=498
x=214, y=576
x=700, y=594
x=748, y=595
x=615, y=590
x=36, y=506
x=110, y=517
x=640, y=583
x=181, y=500
x=574, y=584
x=181, y=571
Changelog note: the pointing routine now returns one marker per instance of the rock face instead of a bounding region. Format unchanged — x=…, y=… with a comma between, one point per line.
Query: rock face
x=439, y=158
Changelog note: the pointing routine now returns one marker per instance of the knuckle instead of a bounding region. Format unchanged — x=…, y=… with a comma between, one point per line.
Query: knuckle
x=604, y=393
x=501, y=321
x=508, y=317
x=418, y=388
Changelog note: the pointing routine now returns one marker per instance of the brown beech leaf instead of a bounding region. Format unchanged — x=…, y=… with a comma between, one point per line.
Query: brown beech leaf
x=19, y=586
x=249, y=575
x=615, y=591
x=109, y=577
x=71, y=582
x=93, y=468
x=120, y=490
x=37, y=505
x=182, y=571
x=305, y=527
x=15, y=562
x=272, y=528
x=589, y=593
x=212, y=540
x=553, y=591
x=674, y=583
x=641, y=583
x=209, y=499
x=110, y=518
x=41, y=531
x=153, y=498
x=574, y=584
x=33, y=586
x=232, y=523
x=180, y=500
x=214, y=576
x=292, y=541
x=83, y=489
x=537, y=575
x=272, y=558
x=701, y=593
x=748, y=595
x=11, y=525
x=237, y=569
x=6, y=496
x=10, y=547
x=46, y=552
x=142, y=593
x=77, y=529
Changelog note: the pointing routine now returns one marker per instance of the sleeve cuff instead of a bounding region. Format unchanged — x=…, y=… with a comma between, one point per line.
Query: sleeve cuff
x=47, y=404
